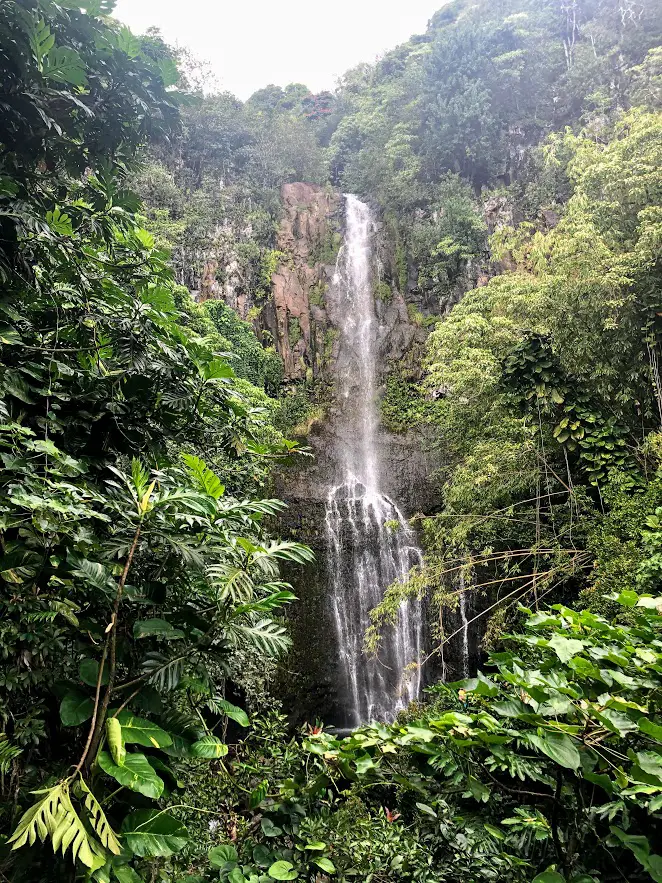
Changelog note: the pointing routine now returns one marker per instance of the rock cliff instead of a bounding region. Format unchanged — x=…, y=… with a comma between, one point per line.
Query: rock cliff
x=306, y=315
x=308, y=241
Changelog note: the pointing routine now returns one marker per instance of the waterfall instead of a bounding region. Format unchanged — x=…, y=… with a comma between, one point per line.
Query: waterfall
x=465, y=628
x=369, y=542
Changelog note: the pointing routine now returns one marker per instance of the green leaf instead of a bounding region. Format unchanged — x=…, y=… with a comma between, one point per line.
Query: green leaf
x=510, y=708
x=494, y=832
x=325, y=864
x=136, y=774
x=168, y=71
x=210, y=747
x=75, y=708
x=125, y=874
x=269, y=829
x=88, y=671
x=219, y=856
x=232, y=711
x=128, y=43
x=8, y=187
x=262, y=856
x=64, y=66
x=38, y=822
x=558, y=746
x=316, y=846
x=640, y=847
x=150, y=833
x=650, y=728
x=268, y=636
x=628, y=598
x=426, y=809
x=258, y=794
x=59, y=222
x=549, y=877
x=143, y=732
x=479, y=792
x=480, y=685
x=565, y=648
x=206, y=479
x=115, y=740
x=9, y=336
x=650, y=763
x=282, y=870
x=93, y=572
x=159, y=628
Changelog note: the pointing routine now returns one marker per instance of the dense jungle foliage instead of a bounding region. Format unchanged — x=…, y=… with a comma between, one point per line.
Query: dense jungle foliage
x=515, y=153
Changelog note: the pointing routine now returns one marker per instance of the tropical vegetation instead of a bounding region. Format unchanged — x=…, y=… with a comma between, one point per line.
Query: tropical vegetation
x=514, y=152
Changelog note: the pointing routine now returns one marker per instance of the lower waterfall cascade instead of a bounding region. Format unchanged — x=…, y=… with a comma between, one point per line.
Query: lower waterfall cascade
x=370, y=544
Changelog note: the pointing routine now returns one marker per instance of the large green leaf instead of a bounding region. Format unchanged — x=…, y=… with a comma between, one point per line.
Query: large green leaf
x=268, y=827
x=142, y=731
x=135, y=773
x=232, y=711
x=149, y=832
x=641, y=849
x=650, y=728
x=558, y=746
x=75, y=708
x=650, y=763
x=480, y=685
x=282, y=870
x=89, y=672
x=219, y=856
x=565, y=648
x=210, y=747
x=115, y=740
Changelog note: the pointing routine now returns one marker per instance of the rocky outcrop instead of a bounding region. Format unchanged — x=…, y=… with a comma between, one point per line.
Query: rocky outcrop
x=308, y=238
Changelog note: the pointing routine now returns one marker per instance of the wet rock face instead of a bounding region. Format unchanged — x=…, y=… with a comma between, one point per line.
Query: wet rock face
x=407, y=475
x=313, y=680
x=296, y=316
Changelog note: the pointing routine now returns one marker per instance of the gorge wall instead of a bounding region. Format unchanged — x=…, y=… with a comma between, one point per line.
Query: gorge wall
x=306, y=315
x=303, y=317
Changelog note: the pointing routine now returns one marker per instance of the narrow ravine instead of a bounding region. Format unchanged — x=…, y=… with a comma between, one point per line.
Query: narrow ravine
x=370, y=545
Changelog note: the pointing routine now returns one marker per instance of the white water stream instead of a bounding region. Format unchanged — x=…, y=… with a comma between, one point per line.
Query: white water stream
x=464, y=660
x=370, y=544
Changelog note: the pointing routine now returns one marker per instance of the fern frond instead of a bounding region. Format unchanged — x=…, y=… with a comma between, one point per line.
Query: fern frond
x=39, y=819
x=207, y=480
x=41, y=616
x=71, y=832
x=231, y=582
x=287, y=551
x=8, y=752
x=98, y=820
x=268, y=604
x=266, y=635
x=55, y=817
x=164, y=673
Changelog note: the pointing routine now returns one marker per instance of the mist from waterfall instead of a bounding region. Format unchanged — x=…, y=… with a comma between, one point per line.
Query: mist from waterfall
x=370, y=545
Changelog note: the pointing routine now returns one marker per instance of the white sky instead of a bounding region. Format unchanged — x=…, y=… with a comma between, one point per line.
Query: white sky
x=251, y=43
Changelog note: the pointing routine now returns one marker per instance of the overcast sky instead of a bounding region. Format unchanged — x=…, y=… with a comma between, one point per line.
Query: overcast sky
x=251, y=43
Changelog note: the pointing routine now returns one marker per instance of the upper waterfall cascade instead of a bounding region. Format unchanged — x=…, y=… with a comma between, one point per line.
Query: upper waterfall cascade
x=370, y=545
